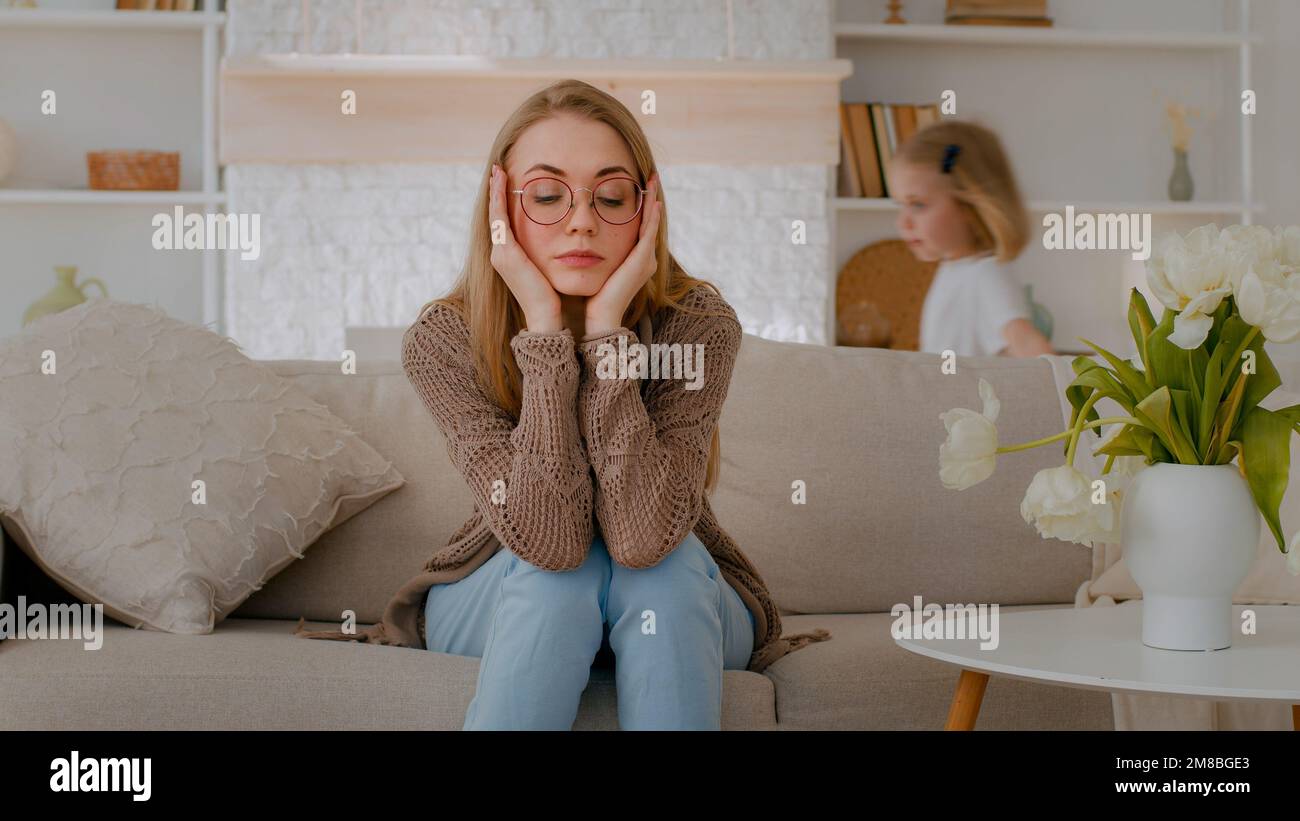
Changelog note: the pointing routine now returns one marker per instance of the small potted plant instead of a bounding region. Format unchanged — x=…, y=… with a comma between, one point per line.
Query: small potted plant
x=1188, y=517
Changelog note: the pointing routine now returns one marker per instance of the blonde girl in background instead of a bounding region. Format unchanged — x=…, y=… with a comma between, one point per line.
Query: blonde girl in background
x=960, y=205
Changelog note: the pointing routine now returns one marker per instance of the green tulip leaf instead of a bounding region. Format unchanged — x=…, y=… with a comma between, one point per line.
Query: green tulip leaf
x=1090, y=381
x=1225, y=420
x=1156, y=412
x=1264, y=380
x=1179, y=368
x=1125, y=443
x=1140, y=322
x=1077, y=393
x=1133, y=379
x=1266, y=460
x=1161, y=353
x=1230, y=449
x=1184, y=404
x=1211, y=396
x=1291, y=412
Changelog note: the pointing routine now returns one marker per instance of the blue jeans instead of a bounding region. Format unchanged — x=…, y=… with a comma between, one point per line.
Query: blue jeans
x=673, y=627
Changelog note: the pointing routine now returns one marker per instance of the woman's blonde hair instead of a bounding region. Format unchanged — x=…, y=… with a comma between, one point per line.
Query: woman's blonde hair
x=489, y=307
x=982, y=181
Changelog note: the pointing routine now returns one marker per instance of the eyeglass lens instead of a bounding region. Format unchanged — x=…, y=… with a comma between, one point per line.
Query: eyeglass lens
x=547, y=200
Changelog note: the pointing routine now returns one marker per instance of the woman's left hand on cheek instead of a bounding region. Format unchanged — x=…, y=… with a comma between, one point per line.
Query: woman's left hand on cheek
x=606, y=307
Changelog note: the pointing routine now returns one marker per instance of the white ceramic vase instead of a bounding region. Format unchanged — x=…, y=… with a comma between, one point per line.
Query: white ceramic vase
x=1190, y=533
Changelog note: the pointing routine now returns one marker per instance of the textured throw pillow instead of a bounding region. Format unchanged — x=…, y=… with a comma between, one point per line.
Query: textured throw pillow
x=158, y=470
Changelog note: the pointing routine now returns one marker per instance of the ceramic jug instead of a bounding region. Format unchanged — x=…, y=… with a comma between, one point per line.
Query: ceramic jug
x=65, y=294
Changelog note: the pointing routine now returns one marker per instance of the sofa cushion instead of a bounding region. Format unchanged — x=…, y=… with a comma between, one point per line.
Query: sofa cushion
x=860, y=428
x=112, y=415
x=255, y=674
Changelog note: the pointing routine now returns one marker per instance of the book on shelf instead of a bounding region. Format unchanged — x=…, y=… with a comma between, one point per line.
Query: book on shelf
x=870, y=134
x=884, y=145
x=1043, y=22
x=997, y=8
x=864, y=139
x=997, y=13
x=158, y=5
x=850, y=180
x=891, y=141
x=904, y=122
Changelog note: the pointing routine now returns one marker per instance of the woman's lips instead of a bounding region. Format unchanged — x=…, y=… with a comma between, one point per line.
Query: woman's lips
x=580, y=261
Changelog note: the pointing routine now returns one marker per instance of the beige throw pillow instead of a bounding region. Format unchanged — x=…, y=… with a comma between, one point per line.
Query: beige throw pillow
x=157, y=469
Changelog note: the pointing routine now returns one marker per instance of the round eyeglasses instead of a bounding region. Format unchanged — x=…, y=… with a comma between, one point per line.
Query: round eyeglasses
x=547, y=200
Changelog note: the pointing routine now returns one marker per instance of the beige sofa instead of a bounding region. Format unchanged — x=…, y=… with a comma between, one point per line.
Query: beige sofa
x=860, y=428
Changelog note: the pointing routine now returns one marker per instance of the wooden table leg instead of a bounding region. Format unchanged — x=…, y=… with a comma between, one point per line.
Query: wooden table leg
x=966, y=701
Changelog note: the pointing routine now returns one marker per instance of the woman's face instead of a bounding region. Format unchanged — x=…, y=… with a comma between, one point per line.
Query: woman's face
x=930, y=219
x=583, y=153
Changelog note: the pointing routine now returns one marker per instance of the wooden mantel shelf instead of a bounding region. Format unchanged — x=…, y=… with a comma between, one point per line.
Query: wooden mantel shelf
x=287, y=108
x=463, y=65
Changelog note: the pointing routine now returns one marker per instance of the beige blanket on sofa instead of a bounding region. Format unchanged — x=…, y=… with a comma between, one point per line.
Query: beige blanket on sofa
x=1111, y=583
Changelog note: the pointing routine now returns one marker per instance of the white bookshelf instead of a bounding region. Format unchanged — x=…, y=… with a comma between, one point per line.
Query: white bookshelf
x=1194, y=208
x=207, y=25
x=849, y=37
x=94, y=19
x=85, y=196
x=1045, y=37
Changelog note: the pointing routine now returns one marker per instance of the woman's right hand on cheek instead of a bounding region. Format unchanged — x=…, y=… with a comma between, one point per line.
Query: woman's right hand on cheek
x=539, y=301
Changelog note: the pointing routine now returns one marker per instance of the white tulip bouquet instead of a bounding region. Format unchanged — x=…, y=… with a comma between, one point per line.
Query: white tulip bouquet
x=1191, y=396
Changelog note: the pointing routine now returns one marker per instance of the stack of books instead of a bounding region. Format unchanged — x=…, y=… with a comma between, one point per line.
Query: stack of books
x=997, y=13
x=160, y=5
x=870, y=133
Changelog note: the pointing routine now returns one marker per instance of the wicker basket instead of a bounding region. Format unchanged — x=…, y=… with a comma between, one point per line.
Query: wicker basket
x=879, y=296
x=134, y=170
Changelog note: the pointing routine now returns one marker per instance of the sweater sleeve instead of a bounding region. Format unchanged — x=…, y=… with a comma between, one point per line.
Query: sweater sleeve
x=650, y=456
x=530, y=480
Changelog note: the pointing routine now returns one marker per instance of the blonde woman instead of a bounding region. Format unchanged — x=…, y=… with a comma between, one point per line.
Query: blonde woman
x=959, y=205
x=592, y=535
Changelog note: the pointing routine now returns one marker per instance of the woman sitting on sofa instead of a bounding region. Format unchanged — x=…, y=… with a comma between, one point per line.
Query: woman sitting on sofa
x=592, y=529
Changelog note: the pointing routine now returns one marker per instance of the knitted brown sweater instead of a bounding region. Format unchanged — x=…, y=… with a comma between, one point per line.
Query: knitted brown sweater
x=631, y=450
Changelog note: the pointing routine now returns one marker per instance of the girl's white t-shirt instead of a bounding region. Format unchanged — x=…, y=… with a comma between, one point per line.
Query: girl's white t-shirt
x=969, y=302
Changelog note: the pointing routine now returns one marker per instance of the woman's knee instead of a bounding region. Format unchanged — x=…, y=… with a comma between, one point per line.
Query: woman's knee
x=551, y=587
x=689, y=562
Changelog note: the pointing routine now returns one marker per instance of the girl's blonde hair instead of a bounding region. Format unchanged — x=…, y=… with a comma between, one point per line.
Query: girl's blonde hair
x=982, y=181
x=489, y=307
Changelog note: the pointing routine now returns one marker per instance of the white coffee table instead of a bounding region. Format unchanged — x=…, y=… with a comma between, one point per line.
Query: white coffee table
x=1100, y=648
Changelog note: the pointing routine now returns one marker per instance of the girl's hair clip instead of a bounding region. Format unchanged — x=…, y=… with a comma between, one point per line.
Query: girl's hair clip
x=950, y=153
